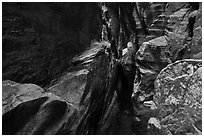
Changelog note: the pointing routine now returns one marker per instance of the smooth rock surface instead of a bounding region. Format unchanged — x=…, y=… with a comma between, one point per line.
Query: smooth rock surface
x=27, y=109
x=71, y=86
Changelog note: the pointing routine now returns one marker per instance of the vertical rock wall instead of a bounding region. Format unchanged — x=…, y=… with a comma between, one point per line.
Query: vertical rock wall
x=39, y=39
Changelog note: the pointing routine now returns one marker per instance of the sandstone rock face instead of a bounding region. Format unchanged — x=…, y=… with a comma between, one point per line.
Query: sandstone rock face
x=179, y=39
x=88, y=55
x=178, y=98
x=152, y=57
x=85, y=90
x=39, y=39
x=14, y=94
x=27, y=109
x=154, y=50
x=71, y=86
x=74, y=105
x=158, y=51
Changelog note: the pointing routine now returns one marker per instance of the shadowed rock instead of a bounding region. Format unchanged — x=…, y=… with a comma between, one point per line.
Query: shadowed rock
x=28, y=110
x=181, y=45
x=15, y=119
x=39, y=39
x=152, y=57
x=106, y=100
x=90, y=92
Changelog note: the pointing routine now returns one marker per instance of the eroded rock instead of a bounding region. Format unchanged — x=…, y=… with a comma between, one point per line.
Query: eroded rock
x=71, y=86
x=152, y=57
x=14, y=94
x=154, y=50
x=27, y=109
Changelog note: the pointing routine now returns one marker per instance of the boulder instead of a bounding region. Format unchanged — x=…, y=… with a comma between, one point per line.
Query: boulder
x=178, y=98
x=152, y=57
x=154, y=50
x=14, y=94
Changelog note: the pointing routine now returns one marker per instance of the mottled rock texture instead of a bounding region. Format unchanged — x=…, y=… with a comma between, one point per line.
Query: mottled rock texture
x=157, y=52
x=179, y=98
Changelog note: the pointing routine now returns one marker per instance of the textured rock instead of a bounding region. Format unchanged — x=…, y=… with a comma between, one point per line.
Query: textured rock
x=154, y=50
x=104, y=108
x=174, y=6
x=152, y=57
x=14, y=94
x=178, y=15
x=94, y=98
x=71, y=86
x=87, y=56
x=196, y=46
x=107, y=99
x=40, y=39
x=27, y=109
x=179, y=97
x=92, y=95
x=154, y=126
x=181, y=45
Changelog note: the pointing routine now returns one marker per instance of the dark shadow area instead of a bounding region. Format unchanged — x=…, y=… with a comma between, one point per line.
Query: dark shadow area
x=15, y=119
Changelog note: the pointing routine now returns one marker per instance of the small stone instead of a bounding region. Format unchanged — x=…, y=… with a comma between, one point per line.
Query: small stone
x=155, y=122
